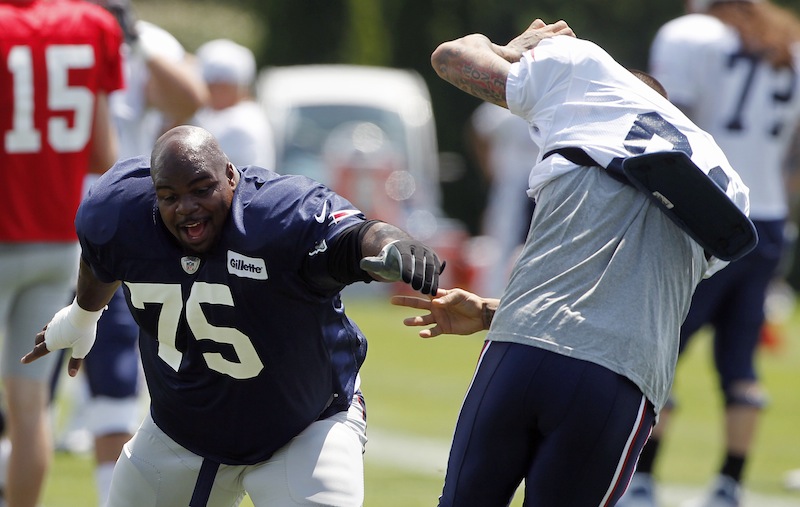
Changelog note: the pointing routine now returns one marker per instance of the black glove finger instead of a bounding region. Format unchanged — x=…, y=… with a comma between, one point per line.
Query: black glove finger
x=418, y=276
x=431, y=274
x=406, y=264
x=435, y=273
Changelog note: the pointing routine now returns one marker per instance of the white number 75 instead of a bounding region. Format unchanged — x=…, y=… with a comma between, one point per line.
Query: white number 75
x=169, y=297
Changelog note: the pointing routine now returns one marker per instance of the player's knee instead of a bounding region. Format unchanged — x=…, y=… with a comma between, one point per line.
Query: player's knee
x=745, y=394
x=107, y=415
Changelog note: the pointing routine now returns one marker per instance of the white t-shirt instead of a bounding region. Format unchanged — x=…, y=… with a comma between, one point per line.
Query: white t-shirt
x=574, y=94
x=604, y=275
x=243, y=132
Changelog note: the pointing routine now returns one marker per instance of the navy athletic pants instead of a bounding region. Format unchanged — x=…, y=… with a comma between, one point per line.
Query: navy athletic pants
x=572, y=430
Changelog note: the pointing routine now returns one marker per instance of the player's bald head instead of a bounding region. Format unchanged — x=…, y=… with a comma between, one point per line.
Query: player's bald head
x=187, y=146
x=194, y=186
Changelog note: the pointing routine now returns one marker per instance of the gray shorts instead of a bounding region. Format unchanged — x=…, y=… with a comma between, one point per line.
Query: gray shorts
x=36, y=281
x=323, y=465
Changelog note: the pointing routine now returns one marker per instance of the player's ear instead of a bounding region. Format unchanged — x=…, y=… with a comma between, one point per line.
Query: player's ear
x=232, y=175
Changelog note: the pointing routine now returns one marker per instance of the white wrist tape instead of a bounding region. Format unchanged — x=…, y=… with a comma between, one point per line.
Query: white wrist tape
x=72, y=327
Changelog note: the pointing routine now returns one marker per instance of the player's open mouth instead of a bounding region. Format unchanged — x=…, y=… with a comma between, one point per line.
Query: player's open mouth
x=195, y=231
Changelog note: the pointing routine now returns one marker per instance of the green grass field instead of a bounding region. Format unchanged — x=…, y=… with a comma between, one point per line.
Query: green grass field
x=414, y=388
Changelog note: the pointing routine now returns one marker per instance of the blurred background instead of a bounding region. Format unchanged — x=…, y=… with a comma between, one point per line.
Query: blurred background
x=354, y=102
x=401, y=34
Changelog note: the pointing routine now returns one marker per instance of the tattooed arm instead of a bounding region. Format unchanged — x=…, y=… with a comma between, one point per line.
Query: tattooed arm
x=480, y=67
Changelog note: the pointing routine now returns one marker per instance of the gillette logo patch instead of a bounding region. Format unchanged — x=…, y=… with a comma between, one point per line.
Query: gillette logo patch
x=246, y=267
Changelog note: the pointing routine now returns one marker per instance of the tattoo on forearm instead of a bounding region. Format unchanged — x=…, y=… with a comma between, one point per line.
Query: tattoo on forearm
x=485, y=82
x=486, y=85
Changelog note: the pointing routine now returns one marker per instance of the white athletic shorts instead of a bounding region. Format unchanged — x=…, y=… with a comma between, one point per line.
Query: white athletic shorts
x=323, y=465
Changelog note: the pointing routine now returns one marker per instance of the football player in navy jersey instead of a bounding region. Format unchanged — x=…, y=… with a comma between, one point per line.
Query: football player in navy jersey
x=581, y=347
x=233, y=276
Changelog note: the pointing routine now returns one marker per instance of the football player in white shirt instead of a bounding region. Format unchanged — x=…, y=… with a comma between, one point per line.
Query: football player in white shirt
x=732, y=67
x=581, y=348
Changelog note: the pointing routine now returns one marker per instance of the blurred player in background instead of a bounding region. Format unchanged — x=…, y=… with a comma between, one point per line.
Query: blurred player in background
x=162, y=89
x=505, y=154
x=732, y=67
x=232, y=116
x=59, y=60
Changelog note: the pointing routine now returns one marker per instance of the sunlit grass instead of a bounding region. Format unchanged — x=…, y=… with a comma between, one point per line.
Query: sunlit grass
x=414, y=387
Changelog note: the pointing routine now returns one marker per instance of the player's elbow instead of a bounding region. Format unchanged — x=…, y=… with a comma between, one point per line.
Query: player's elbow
x=441, y=58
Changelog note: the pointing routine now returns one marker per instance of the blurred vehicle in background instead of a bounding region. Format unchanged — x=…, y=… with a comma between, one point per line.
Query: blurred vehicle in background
x=369, y=134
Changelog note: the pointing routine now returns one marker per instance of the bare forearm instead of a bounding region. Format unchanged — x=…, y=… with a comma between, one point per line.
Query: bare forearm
x=104, y=141
x=175, y=89
x=93, y=294
x=379, y=235
x=474, y=65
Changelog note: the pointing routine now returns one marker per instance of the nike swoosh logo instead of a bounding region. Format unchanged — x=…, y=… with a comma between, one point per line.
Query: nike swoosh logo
x=323, y=215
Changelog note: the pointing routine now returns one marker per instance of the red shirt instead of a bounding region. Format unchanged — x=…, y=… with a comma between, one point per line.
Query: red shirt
x=55, y=58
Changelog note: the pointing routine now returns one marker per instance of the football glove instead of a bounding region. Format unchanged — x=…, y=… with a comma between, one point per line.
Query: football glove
x=410, y=261
x=72, y=327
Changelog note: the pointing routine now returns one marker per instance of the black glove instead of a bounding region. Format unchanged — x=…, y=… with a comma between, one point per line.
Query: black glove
x=407, y=260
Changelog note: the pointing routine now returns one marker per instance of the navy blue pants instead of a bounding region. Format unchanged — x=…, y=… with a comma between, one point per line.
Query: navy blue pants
x=112, y=366
x=572, y=430
x=732, y=301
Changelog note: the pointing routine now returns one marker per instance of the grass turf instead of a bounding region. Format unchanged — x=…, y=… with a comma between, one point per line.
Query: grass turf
x=414, y=388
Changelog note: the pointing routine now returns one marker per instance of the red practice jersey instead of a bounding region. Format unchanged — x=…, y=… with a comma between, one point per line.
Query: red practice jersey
x=55, y=58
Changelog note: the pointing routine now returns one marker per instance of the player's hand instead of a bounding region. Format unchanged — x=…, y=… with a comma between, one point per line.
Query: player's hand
x=453, y=311
x=72, y=327
x=533, y=35
x=410, y=261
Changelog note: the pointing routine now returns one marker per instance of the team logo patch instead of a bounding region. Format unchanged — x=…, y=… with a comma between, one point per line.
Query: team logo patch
x=338, y=216
x=190, y=264
x=246, y=267
x=319, y=248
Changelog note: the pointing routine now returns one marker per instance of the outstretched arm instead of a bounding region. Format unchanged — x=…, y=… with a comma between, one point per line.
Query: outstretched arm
x=452, y=311
x=74, y=326
x=480, y=67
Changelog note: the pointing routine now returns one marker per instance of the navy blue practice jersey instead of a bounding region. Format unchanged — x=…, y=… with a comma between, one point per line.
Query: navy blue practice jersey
x=244, y=346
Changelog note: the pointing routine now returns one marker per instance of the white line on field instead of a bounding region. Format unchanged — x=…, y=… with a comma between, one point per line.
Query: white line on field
x=428, y=456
